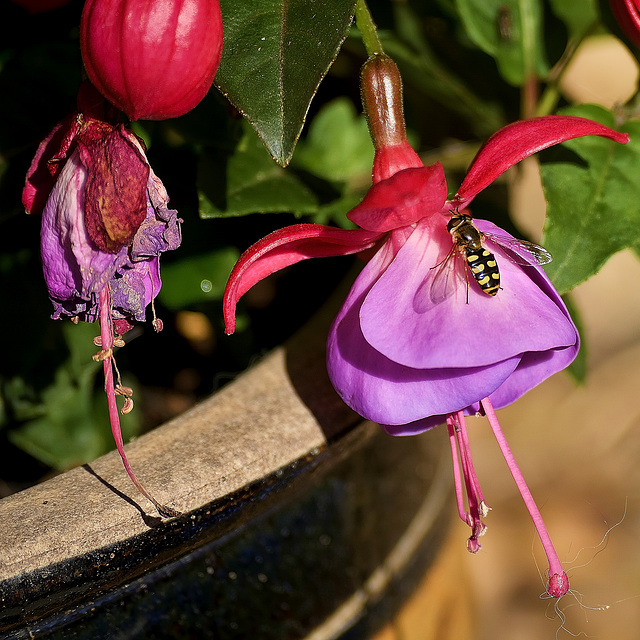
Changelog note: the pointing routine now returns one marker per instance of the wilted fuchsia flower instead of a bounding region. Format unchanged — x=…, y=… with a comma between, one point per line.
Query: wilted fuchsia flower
x=400, y=355
x=105, y=222
x=152, y=59
x=627, y=14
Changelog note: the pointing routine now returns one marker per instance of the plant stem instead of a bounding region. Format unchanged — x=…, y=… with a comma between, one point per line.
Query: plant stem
x=368, y=29
x=106, y=334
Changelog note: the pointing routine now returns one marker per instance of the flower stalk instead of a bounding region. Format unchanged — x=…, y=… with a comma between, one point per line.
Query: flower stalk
x=108, y=363
x=368, y=29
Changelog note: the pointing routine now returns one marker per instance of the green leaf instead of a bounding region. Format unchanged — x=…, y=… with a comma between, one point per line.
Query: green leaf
x=276, y=53
x=423, y=70
x=593, y=200
x=70, y=422
x=248, y=181
x=338, y=147
x=578, y=16
x=578, y=368
x=199, y=278
x=511, y=31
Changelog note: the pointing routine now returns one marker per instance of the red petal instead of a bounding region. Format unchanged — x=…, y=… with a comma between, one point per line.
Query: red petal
x=393, y=158
x=521, y=139
x=49, y=159
x=283, y=248
x=402, y=199
x=627, y=16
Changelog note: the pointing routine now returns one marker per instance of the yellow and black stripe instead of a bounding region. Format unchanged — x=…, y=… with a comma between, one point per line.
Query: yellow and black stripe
x=484, y=269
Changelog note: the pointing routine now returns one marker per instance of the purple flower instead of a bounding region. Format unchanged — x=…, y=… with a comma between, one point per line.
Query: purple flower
x=401, y=353
x=400, y=358
x=87, y=244
x=105, y=222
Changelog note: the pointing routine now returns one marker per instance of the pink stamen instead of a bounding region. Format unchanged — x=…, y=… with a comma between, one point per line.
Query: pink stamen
x=465, y=449
x=558, y=583
x=461, y=455
x=451, y=426
x=107, y=339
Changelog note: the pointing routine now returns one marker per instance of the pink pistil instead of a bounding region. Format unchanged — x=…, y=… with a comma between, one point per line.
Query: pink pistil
x=106, y=355
x=558, y=583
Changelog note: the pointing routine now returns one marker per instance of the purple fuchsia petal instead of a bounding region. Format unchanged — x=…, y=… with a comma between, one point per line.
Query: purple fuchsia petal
x=402, y=199
x=116, y=189
x=385, y=391
x=417, y=426
x=400, y=319
x=160, y=230
x=75, y=271
x=283, y=248
x=135, y=289
x=521, y=139
x=533, y=369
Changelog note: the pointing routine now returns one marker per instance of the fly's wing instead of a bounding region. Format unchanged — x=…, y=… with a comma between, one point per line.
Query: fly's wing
x=443, y=279
x=533, y=252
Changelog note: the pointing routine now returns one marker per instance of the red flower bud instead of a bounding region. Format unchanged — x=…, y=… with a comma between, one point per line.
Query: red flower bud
x=153, y=59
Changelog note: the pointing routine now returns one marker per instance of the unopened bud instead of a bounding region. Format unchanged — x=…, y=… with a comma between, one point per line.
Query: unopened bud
x=381, y=92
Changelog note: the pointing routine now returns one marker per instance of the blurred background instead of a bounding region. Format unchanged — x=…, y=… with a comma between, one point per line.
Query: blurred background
x=577, y=443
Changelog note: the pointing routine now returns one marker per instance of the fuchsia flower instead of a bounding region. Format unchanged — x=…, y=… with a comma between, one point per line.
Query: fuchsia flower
x=105, y=222
x=405, y=358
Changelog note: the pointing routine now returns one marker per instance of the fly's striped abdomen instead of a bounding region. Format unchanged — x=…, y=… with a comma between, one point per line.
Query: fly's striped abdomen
x=484, y=269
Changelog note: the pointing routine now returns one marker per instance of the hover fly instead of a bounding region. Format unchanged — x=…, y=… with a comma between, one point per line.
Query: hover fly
x=468, y=243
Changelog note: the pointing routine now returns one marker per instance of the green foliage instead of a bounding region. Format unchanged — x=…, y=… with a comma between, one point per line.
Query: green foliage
x=330, y=171
x=593, y=200
x=338, y=147
x=200, y=278
x=579, y=17
x=421, y=67
x=68, y=423
x=248, y=181
x=511, y=32
x=276, y=52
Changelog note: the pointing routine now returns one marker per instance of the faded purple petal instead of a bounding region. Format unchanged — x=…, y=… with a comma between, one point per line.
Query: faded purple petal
x=42, y=173
x=135, y=289
x=160, y=230
x=74, y=269
x=400, y=320
x=385, y=391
